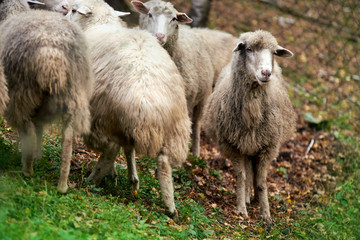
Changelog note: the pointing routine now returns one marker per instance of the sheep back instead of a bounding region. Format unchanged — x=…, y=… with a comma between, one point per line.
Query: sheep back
x=47, y=68
x=194, y=64
x=217, y=44
x=138, y=95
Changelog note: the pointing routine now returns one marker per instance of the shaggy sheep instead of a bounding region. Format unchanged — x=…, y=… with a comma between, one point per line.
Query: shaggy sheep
x=61, y=6
x=9, y=8
x=47, y=68
x=4, y=98
x=139, y=100
x=199, y=54
x=250, y=114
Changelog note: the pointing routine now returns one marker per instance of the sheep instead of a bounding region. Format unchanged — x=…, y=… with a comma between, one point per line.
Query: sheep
x=250, y=115
x=4, y=98
x=47, y=67
x=199, y=54
x=9, y=8
x=139, y=98
x=61, y=6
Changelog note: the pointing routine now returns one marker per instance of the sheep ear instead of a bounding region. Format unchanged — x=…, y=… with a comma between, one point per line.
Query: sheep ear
x=183, y=18
x=35, y=2
x=283, y=52
x=122, y=14
x=83, y=10
x=140, y=7
x=240, y=45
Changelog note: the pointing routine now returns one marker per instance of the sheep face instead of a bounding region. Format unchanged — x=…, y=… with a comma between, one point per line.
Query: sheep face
x=61, y=6
x=256, y=52
x=160, y=19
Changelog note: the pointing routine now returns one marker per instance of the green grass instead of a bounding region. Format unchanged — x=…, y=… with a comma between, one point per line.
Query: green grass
x=31, y=208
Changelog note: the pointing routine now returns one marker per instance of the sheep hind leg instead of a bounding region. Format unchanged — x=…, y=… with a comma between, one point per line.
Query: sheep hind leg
x=166, y=184
x=249, y=180
x=196, y=129
x=28, y=145
x=105, y=165
x=65, y=159
x=239, y=168
x=132, y=173
x=39, y=132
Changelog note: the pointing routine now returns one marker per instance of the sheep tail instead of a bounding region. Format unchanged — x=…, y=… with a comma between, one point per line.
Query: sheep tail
x=52, y=75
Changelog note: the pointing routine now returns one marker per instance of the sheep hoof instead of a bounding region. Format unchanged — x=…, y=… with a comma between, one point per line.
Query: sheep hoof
x=268, y=220
x=134, y=193
x=173, y=215
x=242, y=213
x=99, y=173
x=94, y=179
x=134, y=184
x=62, y=188
x=28, y=172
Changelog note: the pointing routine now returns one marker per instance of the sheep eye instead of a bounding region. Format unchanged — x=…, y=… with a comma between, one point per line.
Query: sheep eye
x=73, y=10
x=150, y=15
x=174, y=19
x=249, y=49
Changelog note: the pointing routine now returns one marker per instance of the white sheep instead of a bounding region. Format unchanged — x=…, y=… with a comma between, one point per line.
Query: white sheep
x=199, y=54
x=47, y=68
x=250, y=114
x=139, y=100
x=61, y=6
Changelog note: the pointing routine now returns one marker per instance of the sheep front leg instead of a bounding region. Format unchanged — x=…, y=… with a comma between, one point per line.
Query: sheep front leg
x=261, y=169
x=39, y=132
x=196, y=129
x=166, y=184
x=249, y=179
x=65, y=159
x=105, y=165
x=28, y=145
x=131, y=164
x=239, y=168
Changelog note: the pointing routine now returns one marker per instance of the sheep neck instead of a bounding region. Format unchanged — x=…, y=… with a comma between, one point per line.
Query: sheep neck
x=171, y=43
x=251, y=100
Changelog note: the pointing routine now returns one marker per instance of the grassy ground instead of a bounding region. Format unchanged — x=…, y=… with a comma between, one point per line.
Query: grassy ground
x=31, y=208
x=312, y=196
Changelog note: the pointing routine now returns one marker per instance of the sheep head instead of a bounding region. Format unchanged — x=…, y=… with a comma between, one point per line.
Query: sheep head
x=256, y=52
x=160, y=18
x=61, y=6
x=89, y=12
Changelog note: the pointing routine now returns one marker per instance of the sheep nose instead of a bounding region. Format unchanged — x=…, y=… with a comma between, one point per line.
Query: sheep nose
x=266, y=74
x=160, y=36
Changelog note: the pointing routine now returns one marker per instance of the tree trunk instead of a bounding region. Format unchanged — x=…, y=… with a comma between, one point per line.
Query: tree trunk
x=122, y=5
x=199, y=12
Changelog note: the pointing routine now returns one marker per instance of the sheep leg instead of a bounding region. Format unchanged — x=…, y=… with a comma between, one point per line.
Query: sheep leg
x=65, y=159
x=256, y=192
x=166, y=184
x=39, y=132
x=261, y=186
x=249, y=179
x=105, y=165
x=239, y=168
x=28, y=145
x=196, y=129
x=131, y=164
